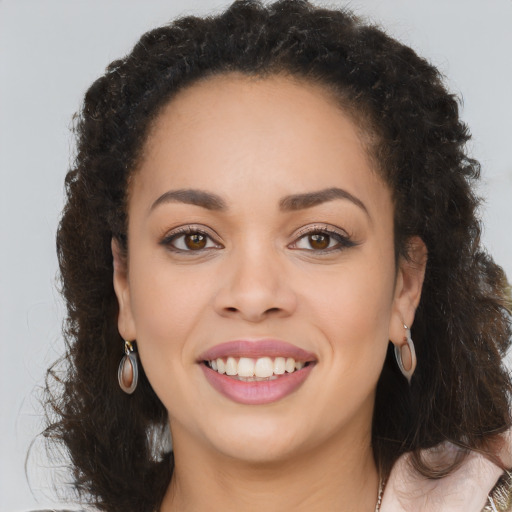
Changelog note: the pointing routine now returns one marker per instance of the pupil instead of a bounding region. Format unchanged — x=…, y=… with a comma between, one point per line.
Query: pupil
x=319, y=241
x=195, y=241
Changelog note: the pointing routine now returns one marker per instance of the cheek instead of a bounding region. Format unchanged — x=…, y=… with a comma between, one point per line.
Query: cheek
x=353, y=309
x=167, y=307
x=165, y=298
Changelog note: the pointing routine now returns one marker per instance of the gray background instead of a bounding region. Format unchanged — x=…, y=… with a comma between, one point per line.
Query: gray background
x=51, y=50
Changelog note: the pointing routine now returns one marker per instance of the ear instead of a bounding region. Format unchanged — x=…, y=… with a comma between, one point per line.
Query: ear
x=408, y=286
x=125, y=321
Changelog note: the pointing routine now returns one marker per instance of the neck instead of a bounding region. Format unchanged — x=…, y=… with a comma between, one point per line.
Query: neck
x=337, y=478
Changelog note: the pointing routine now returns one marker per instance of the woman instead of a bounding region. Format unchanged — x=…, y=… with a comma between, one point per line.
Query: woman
x=270, y=250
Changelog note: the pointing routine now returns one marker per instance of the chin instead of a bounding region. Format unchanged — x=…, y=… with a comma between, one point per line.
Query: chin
x=256, y=453
x=258, y=441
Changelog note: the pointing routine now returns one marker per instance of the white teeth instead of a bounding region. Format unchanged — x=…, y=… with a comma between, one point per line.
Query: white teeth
x=289, y=365
x=261, y=368
x=279, y=365
x=231, y=366
x=264, y=367
x=246, y=367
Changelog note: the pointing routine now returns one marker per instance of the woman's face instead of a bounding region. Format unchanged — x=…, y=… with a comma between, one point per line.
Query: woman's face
x=258, y=232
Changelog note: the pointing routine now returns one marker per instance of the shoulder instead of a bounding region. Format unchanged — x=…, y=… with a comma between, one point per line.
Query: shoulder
x=500, y=498
x=475, y=486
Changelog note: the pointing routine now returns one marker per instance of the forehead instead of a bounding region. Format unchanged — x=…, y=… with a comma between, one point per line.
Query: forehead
x=275, y=132
x=254, y=104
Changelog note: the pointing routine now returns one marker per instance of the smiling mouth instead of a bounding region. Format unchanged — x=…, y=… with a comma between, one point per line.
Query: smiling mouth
x=248, y=369
x=256, y=372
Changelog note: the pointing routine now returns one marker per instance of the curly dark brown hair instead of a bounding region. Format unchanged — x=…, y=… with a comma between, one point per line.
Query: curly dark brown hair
x=462, y=330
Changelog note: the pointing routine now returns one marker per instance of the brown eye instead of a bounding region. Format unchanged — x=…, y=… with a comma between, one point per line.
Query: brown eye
x=188, y=240
x=319, y=241
x=322, y=241
x=195, y=241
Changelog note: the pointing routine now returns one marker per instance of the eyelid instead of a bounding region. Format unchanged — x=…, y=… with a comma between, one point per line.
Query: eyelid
x=172, y=234
x=314, y=228
x=345, y=240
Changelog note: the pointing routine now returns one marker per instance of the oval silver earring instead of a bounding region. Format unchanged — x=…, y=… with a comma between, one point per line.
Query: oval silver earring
x=405, y=355
x=128, y=372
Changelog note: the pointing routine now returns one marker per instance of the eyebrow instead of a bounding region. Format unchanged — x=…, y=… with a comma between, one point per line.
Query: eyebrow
x=192, y=196
x=310, y=199
x=290, y=203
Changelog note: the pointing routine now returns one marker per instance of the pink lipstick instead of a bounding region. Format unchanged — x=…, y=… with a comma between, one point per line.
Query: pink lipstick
x=256, y=372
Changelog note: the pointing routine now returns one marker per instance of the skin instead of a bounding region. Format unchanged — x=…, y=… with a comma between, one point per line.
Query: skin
x=253, y=142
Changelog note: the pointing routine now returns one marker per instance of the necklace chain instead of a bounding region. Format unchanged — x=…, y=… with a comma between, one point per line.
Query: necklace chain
x=382, y=484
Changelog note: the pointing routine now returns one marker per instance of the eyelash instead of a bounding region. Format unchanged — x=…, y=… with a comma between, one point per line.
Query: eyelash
x=171, y=238
x=343, y=240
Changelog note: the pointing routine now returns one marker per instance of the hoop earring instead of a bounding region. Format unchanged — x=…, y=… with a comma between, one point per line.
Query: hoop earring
x=406, y=351
x=128, y=372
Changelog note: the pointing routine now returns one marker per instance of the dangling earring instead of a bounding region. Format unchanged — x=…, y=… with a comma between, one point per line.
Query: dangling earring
x=405, y=355
x=128, y=372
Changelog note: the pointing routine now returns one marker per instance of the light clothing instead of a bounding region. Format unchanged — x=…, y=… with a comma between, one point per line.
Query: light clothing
x=478, y=485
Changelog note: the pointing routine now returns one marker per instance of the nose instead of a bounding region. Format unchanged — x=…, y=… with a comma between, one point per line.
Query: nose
x=255, y=287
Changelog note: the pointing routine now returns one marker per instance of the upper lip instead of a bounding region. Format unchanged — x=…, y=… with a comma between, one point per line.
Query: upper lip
x=256, y=348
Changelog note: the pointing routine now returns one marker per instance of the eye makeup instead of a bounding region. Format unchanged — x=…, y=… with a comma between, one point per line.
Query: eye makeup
x=322, y=238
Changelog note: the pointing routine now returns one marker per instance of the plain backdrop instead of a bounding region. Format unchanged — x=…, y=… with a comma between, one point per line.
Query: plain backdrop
x=52, y=50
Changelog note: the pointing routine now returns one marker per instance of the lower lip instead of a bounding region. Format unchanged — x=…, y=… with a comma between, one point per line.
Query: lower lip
x=257, y=392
